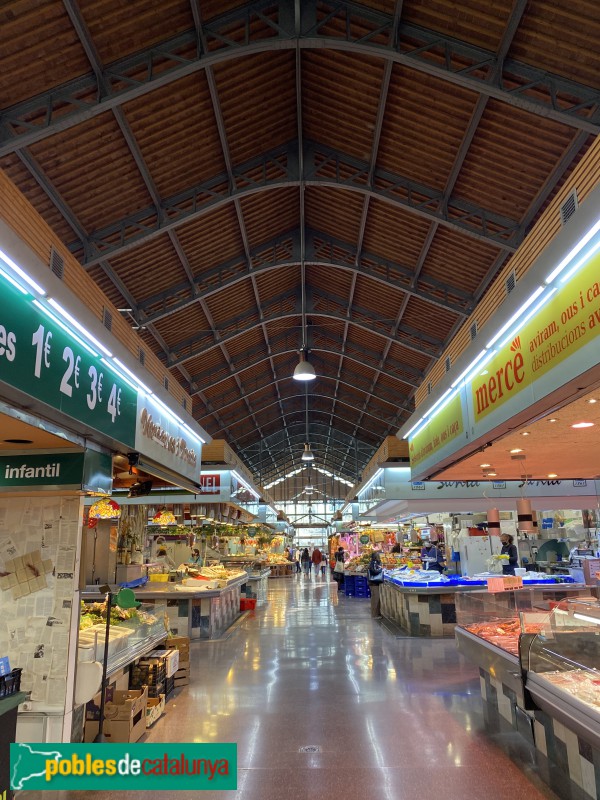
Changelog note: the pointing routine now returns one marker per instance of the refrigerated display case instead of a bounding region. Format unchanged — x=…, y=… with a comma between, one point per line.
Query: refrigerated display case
x=495, y=631
x=563, y=667
x=138, y=632
x=562, y=681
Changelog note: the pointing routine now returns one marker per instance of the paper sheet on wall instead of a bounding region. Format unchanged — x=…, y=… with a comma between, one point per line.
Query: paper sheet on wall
x=32, y=516
x=40, y=688
x=8, y=548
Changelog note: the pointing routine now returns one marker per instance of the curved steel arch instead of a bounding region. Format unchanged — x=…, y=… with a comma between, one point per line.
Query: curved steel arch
x=430, y=52
x=425, y=348
x=287, y=342
x=313, y=413
x=285, y=398
x=323, y=166
x=405, y=405
x=395, y=276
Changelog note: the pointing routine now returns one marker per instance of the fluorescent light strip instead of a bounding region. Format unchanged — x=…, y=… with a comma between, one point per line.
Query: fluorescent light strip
x=416, y=425
x=79, y=327
x=575, y=251
x=22, y=274
x=481, y=365
x=449, y=396
x=466, y=371
x=131, y=375
x=14, y=282
x=245, y=485
x=197, y=435
x=120, y=374
x=515, y=317
x=527, y=317
x=371, y=480
x=62, y=325
x=581, y=262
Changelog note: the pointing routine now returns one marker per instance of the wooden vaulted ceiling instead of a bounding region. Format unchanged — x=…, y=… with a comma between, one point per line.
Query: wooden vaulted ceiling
x=205, y=159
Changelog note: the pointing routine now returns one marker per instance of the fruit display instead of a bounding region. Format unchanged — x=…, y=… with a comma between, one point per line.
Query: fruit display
x=504, y=633
x=219, y=573
x=276, y=558
x=389, y=561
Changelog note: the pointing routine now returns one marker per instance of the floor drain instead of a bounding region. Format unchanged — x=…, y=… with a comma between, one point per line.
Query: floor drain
x=310, y=748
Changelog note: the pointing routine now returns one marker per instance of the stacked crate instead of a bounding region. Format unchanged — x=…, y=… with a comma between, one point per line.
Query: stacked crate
x=181, y=643
x=150, y=671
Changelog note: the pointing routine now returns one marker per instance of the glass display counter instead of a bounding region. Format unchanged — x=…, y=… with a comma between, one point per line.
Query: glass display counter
x=132, y=633
x=495, y=629
x=563, y=670
x=196, y=611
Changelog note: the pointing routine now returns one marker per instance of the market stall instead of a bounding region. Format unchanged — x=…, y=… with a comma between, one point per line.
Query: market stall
x=425, y=603
x=562, y=682
x=538, y=654
x=196, y=610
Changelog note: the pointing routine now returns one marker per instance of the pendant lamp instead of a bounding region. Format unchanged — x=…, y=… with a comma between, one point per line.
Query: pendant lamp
x=304, y=369
x=308, y=454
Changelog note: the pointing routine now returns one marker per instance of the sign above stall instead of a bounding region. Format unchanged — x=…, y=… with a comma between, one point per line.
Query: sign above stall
x=210, y=484
x=542, y=352
x=41, y=357
x=568, y=321
x=87, y=470
x=164, y=439
x=435, y=437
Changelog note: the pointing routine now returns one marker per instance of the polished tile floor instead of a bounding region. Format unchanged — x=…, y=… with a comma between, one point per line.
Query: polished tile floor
x=391, y=718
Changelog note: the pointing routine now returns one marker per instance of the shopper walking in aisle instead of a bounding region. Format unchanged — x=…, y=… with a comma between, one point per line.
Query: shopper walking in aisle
x=317, y=557
x=305, y=559
x=509, y=549
x=375, y=578
x=323, y=565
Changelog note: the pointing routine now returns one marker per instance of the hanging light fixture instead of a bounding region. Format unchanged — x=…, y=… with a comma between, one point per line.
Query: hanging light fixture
x=105, y=509
x=164, y=517
x=308, y=454
x=304, y=369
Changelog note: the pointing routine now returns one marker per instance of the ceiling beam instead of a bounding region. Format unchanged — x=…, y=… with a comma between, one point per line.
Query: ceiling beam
x=330, y=344
x=322, y=250
x=198, y=346
x=386, y=396
x=507, y=38
x=232, y=422
x=457, y=62
x=323, y=166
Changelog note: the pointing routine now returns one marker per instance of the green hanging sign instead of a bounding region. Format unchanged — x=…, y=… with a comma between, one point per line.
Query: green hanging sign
x=86, y=470
x=41, y=357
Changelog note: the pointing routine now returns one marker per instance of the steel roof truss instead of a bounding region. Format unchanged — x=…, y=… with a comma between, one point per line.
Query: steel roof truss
x=533, y=89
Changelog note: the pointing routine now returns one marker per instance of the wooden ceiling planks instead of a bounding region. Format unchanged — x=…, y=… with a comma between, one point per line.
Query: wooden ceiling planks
x=177, y=135
x=512, y=155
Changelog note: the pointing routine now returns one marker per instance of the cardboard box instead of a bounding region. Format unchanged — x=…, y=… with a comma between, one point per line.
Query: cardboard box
x=181, y=643
x=173, y=660
x=117, y=731
x=125, y=717
x=154, y=709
